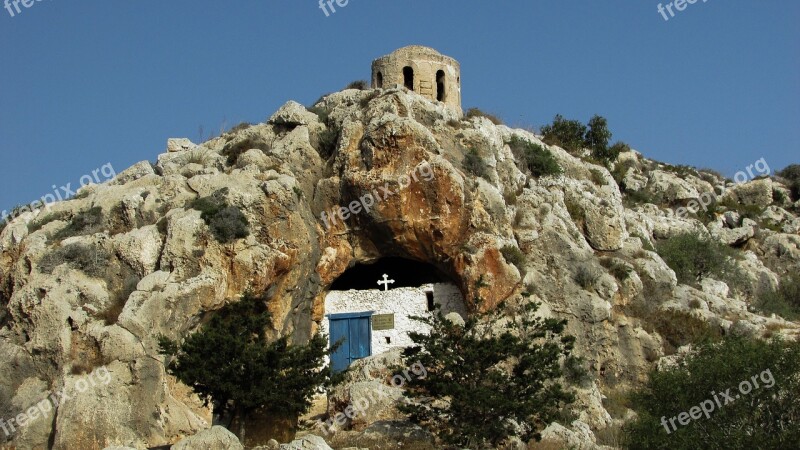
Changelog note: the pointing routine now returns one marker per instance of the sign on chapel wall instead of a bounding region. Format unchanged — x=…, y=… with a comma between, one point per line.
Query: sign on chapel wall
x=382, y=322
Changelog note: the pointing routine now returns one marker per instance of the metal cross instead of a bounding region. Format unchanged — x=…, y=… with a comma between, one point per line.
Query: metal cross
x=386, y=282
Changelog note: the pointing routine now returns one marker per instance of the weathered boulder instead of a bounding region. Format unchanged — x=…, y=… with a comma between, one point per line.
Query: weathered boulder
x=133, y=173
x=731, y=236
x=308, y=442
x=579, y=437
x=756, y=192
x=293, y=114
x=215, y=438
x=671, y=187
x=179, y=145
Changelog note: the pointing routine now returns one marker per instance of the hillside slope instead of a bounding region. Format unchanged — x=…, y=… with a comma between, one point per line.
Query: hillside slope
x=92, y=282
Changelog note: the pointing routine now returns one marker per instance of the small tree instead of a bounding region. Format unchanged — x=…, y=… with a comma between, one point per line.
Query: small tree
x=230, y=364
x=694, y=257
x=765, y=417
x=598, y=135
x=490, y=379
x=474, y=164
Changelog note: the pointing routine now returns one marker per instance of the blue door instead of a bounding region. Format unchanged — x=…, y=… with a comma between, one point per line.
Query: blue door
x=356, y=333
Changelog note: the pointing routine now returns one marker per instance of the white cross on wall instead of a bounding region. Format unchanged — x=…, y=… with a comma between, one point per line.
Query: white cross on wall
x=386, y=282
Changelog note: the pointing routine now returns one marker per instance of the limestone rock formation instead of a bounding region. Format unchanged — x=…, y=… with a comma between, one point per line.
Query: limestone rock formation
x=215, y=438
x=91, y=282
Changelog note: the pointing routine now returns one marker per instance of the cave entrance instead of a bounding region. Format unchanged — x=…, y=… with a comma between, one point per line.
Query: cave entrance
x=369, y=307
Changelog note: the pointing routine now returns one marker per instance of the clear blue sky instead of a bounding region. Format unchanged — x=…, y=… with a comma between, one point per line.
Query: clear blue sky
x=88, y=82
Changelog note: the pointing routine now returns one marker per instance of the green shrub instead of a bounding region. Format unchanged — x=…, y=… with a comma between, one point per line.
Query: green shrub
x=620, y=171
x=586, y=276
x=475, y=112
x=297, y=192
x=209, y=206
x=617, y=269
x=474, y=164
x=89, y=259
x=693, y=258
x=576, y=212
x=198, y=156
x=765, y=417
x=227, y=223
x=85, y=222
x=682, y=171
x=597, y=177
x=679, y=328
x=361, y=85
x=783, y=301
x=231, y=364
x=779, y=197
x=513, y=255
x=482, y=388
x=567, y=134
x=539, y=160
x=633, y=198
x=457, y=124
x=39, y=223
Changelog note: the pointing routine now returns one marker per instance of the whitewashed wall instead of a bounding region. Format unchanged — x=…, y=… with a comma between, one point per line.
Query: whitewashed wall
x=403, y=302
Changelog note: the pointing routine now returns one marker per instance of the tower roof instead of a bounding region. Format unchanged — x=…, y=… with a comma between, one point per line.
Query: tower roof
x=418, y=51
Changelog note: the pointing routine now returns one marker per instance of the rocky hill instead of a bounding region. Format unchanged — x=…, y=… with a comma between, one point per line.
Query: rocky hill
x=88, y=285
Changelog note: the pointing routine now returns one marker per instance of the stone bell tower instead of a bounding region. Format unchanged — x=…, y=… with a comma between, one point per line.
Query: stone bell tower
x=422, y=70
